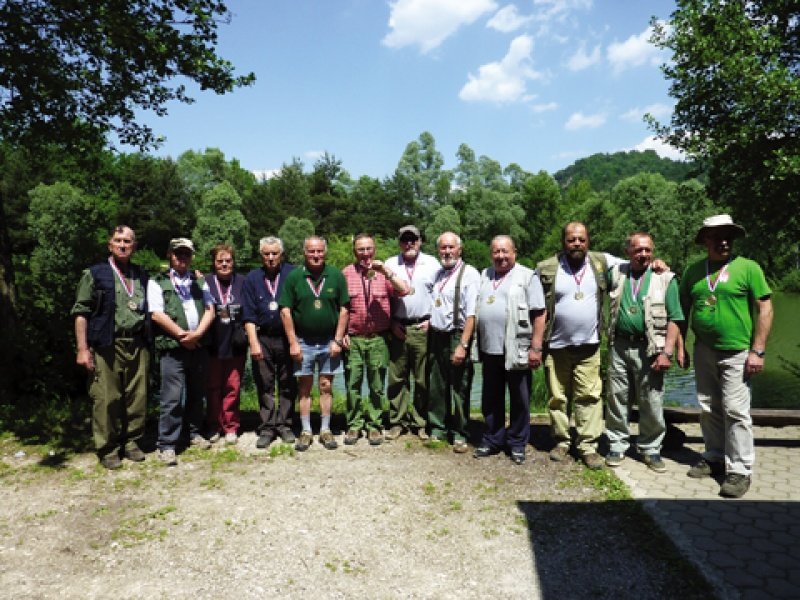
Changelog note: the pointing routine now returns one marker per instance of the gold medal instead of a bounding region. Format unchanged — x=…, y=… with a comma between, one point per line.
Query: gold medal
x=411, y=291
x=711, y=300
x=490, y=300
x=371, y=274
x=132, y=305
x=578, y=295
x=633, y=310
x=438, y=302
x=317, y=303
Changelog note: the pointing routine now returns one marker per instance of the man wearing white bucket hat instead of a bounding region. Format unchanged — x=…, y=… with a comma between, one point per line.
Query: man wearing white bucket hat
x=729, y=302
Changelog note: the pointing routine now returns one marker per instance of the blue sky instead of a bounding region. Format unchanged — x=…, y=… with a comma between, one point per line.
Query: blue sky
x=537, y=82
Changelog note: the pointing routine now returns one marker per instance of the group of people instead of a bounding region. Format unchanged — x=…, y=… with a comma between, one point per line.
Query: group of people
x=411, y=328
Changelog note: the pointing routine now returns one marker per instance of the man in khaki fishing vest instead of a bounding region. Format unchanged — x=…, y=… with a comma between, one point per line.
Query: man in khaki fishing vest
x=182, y=310
x=574, y=284
x=643, y=332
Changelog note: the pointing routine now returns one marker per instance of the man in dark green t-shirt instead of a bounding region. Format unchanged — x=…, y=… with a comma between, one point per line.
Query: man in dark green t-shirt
x=314, y=314
x=729, y=302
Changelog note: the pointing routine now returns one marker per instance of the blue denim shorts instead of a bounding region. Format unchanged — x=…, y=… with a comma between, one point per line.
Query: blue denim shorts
x=315, y=352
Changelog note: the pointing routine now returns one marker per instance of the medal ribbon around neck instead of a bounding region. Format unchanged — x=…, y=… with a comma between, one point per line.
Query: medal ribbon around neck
x=446, y=279
x=496, y=283
x=366, y=284
x=122, y=279
x=635, y=288
x=578, y=277
x=184, y=291
x=409, y=272
x=315, y=290
x=712, y=286
x=224, y=298
x=273, y=290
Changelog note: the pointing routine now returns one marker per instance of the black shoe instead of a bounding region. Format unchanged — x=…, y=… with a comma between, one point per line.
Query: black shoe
x=705, y=468
x=518, y=456
x=287, y=437
x=735, y=485
x=483, y=452
x=111, y=461
x=265, y=439
x=134, y=454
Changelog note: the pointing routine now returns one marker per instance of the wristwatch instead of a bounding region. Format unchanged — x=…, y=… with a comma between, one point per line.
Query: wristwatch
x=338, y=343
x=463, y=345
x=758, y=353
x=669, y=355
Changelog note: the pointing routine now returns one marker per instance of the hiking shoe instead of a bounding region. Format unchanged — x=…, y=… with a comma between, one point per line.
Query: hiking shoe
x=559, y=453
x=287, y=437
x=231, y=438
x=111, y=461
x=460, y=446
x=395, y=432
x=304, y=441
x=134, y=453
x=483, y=452
x=704, y=468
x=215, y=438
x=518, y=456
x=593, y=460
x=265, y=439
x=351, y=437
x=735, y=485
x=422, y=434
x=654, y=462
x=614, y=459
x=375, y=438
x=168, y=457
x=199, y=441
x=327, y=440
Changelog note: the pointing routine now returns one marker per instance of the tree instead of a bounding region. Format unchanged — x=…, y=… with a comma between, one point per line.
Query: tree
x=734, y=76
x=422, y=164
x=293, y=232
x=220, y=221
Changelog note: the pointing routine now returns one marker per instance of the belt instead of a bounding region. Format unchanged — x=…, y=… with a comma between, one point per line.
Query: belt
x=630, y=338
x=413, y=321
x=370, y=335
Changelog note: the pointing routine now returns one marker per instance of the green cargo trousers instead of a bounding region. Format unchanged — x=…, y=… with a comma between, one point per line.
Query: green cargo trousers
x=367, y=356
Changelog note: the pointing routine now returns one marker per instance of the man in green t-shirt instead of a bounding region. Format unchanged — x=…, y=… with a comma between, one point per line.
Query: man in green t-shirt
x=643, y=333
x=313, y=305
x=729, y=302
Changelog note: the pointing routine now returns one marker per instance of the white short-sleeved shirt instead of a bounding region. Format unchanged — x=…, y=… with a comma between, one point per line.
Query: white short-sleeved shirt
x=575, y=320
x=443, y=291
x=155, y=298
x=493, y=307
x=419, y=278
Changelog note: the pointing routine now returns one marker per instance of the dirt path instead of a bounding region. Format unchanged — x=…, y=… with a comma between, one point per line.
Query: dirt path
x=397, y=521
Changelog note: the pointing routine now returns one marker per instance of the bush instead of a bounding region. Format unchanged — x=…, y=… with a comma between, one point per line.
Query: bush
x=790, y=282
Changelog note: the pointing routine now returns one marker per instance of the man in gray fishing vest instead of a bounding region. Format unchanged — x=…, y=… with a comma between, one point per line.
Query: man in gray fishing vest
x=643, y=332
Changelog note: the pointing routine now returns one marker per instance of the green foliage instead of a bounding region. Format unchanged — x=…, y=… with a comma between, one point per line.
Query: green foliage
x=220, y=220
x=293, y=233
x=148, y=260
x=93, y=65
x=734, y=79
x=444, y=218
x=422, y=164
x=790, y=282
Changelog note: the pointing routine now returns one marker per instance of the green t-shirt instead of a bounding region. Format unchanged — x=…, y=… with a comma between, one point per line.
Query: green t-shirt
x=314, y=316
x=633, y=323
x=726, y=321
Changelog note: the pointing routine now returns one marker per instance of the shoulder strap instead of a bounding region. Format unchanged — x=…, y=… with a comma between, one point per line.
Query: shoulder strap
x=457, y=296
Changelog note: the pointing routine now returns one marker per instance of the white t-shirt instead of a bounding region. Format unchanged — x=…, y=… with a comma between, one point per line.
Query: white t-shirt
x=155, y=297
x=443, y=291
x=419, y=277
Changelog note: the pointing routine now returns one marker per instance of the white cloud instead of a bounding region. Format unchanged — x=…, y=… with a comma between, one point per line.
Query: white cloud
x=508, y=19
x=503, y=81
x=634, y=52
x=659, y=111
x=264, y=174
x=540, y=108
x=579, y=120
x=427, y=23
x=581, y=60
x=314, y=154
x=559, y=9
x=662, y=149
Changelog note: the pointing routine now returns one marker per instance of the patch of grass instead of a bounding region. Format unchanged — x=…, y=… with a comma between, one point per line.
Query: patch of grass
x=281, y=449
x=429, y=489
x=41, y=515
x=212, y=483
x=224, y=457
x=438, y=445
x=142, y=528
x=605, y=482
x=455, y=506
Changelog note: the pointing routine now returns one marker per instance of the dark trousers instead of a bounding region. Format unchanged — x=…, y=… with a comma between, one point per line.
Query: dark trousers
x=275, y=368
x=493, y=404
x=183, y=375
x=449, y=387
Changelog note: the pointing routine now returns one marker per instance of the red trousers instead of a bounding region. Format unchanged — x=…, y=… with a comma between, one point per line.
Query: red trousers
x=224, y=382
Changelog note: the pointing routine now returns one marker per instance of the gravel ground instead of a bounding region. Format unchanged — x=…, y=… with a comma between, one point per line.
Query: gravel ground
x=401, y=520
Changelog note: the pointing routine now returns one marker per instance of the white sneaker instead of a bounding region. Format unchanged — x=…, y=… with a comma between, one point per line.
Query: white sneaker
x=168, y=457
x=231, y=438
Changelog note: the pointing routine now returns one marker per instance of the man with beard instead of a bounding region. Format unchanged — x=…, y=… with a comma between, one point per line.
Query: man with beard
x=269, y=347
x=314, y=314
x=111, y=329
x=370, y=285
x=643, y=332
x=408, y=343
x=455, y=293
x=574, y=284
x=722, y=293
x=182, y=309
x=510, y=328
